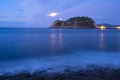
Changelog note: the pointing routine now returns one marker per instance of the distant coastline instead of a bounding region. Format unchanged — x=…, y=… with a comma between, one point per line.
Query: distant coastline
x=81, y=23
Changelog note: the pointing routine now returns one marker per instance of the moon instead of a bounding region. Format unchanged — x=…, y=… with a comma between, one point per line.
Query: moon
x=53, y=14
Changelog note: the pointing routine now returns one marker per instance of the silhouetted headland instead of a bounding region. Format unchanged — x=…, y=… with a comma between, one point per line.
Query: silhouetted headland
x=75, y=22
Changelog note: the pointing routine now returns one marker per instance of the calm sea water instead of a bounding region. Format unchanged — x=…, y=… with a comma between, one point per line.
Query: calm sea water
x=20, y=44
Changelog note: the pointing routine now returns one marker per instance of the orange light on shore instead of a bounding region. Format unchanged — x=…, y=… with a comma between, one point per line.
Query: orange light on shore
x=118, y=27
x=102, y=27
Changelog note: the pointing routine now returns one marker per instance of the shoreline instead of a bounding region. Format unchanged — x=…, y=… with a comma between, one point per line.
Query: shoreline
x=91, y=72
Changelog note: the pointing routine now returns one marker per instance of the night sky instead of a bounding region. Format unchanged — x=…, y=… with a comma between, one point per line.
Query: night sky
x=41, y=13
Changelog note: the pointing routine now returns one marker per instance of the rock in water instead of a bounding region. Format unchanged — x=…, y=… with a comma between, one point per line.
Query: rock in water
x=75, y=22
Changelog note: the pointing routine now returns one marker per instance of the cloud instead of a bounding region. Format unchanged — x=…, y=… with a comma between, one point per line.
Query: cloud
x=12, y=19
x=30, y=9
x=37, y=11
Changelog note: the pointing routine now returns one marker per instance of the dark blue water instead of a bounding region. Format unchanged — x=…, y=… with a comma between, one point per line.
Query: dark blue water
x=19, y=44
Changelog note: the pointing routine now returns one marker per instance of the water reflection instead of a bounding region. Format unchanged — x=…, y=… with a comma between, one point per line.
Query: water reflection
x=53, y=38
x=60, y=37
x=118, y=41
x=56, y=40
x=102, y=40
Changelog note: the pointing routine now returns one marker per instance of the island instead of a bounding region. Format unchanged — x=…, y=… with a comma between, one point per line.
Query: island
x=75, y=22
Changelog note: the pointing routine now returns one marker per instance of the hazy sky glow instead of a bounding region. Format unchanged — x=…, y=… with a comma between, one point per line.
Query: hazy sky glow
x=44, y=12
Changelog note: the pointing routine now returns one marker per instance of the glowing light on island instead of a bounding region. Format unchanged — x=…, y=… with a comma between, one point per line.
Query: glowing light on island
x=102, y=27
x=60, y=19
x=53, y=14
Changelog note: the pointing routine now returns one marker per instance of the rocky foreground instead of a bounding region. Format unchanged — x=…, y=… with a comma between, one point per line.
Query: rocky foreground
x=75, y=22
x=92, y=72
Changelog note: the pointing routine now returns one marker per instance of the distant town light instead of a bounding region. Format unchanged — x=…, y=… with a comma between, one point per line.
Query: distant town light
x=102, y=27
x=118, y=27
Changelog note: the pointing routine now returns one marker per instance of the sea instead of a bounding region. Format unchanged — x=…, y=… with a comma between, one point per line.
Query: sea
x=45, y=48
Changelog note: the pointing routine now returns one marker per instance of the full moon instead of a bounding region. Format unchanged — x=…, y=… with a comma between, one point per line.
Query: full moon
x=53, y=14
